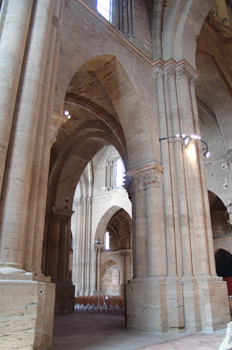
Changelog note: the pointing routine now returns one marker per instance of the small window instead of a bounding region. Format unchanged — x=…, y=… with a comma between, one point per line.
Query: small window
x=104, y=8
x=107, y=241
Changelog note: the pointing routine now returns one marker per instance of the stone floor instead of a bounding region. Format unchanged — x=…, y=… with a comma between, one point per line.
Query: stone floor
x=89, y=331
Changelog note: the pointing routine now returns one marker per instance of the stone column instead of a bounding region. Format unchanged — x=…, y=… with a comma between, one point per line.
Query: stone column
x=22, y=147
x=93, y=268
x=77, y=249
x=193, y=176
x=34, y=237
x=59, y=245
x=53, y=245
x=63, y=250
x=124, y=255
x=100, y=247
x=58, y=259
x=167, y=156
x=208, y=227
x=182, y=226
x=155, y=249
x=135, y=187
x=144, y=186
x=12, y=46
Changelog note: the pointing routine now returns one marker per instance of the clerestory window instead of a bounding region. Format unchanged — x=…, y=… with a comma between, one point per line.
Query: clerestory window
x=118, y=173
x=104, y=7
x=107, y=241
x=114, y=173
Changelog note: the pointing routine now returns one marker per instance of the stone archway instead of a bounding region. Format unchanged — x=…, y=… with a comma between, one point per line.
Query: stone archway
x=97, y=100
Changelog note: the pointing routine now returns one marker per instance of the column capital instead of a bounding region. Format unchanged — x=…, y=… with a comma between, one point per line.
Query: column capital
x=61, y=214
x=99, y=247
x=171, y=68
x=142, y=178
x=184, y=71
x=158, y=72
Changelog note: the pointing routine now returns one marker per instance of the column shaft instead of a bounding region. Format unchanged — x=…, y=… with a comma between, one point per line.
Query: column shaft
x=12, y=47
x=140, y=236
x=94, y=268
x=208, y=227
x=154, y=239
x=22, y=147
x=63, y=251
x=179, y=186
x=34, y=237
x=135, y=187
x=197, y=212
x=99, y=270
x=167, y=180
x=53, y=247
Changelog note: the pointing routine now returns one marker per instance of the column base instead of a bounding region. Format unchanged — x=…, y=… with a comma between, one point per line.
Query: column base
x=206, y=305
x=9, y=272
x=154, y=307
x=188, y=305
x=26, y=314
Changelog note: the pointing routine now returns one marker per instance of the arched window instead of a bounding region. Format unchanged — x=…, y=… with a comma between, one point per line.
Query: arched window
x=119, y=13
x=104, y=7
x=114, y=172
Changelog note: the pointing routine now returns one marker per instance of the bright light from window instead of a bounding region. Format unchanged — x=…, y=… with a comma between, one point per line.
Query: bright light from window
x=104, y=8
x=119, y=173
x=107, y=241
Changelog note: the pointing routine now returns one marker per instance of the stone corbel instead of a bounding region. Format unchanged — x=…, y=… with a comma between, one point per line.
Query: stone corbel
x=56, y=122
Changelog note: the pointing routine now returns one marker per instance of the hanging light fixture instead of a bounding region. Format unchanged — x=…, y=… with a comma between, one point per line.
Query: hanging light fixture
x=187, y=139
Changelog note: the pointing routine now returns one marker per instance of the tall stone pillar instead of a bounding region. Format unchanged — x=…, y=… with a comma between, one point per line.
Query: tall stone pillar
x=12, y=46
x=155, y=246
x=188, y=220
x=135, y=187
x=21, y=150
x=169, y=180
x=126, y=269
x=59, y=245
x=53, y=245
x=36, y=206
x=100, y=248
x=146, y=296
x=25, y=38
x=93, y=268
x=77, y=248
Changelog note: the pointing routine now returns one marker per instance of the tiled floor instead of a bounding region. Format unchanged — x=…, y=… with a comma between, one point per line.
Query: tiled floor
x=88, y=331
